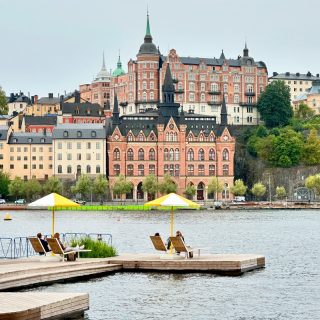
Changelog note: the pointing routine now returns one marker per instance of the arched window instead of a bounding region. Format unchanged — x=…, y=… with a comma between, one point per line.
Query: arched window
x=69, y=169
x=130, y=155
x=176, y=155
x=171, y=136
x=152, y=154
x=225, y=169
x=212, y=170
x=130, y=137
x=201, y=137
x=212, y=155
x=166, y=168
x=151, y=95
x=88, y=169
x=167, y=136
x=141, y=137
x=116, y=169
x=130, y=170
x=144, y=96
x=201, y=155
x=175, y=137
x=59, y=169
x=225, y=155
x=166, y=154
x=190, y=155
x=171, y=155
x=141, y=154
x=141, y=170
x=98, y=170
x=116, y=154
x=171, y=169
x=176, y=170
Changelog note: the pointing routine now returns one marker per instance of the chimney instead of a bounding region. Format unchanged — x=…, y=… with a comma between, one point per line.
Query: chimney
x=317, y=75
x=35, y=99
x=50, y=95
x=32, y=99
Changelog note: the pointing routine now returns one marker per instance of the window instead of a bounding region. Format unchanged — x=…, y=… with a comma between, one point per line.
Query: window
x=98, y=156
x=79, y=134
x=191, y=97
x=98, y=170
x=225, y=170
x=69, y=145
x=201, y=170
x=212, y=155
x=176, y=155
x=93, y=134
x=151, y=85
x=78, y=145
x=130, y=170
x=141, y=170
x=11, y=166
x=203, y=97
x=203, y=86
x=190, y=170
x=176, y=170
x=116, y=169
x=88, y=156
x=116, y=154
x=225, y=78
x=171, y=169
x=69, y=169
x=78, y=156
x=97, y=145
x=236, y=98
x=225, y=87
x=59, y=145
x=225, y=155
x=201, y=155
x=33, y=166
x=141, y=137
x=88, y=169
x=166, y=169
x=171, y=155
x=69, y=156
x=59, y=169
x=249, y=88
x=130, y=155
x=166, y=154
x=152, y=154
x=65, y=134
x=88, y=145
x=249, y=109
x=203, y=108
x=190, y=155
x=141, y=154
x=59, y=156
x=34, y=158
x=212, y=170
x=191, y=86
x=152, y=169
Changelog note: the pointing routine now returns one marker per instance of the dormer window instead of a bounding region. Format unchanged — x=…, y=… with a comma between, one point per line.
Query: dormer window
x=93, y=134
x=42, y=140
x=15, y=140
x=79, y=134
x=65, y=134
x=88, y=111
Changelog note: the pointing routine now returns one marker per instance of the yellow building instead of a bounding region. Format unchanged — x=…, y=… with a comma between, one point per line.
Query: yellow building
x=79, y=149
x=44, y=106
x=311, y=98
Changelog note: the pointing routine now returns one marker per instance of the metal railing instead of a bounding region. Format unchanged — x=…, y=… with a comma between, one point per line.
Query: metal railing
x=20, y=247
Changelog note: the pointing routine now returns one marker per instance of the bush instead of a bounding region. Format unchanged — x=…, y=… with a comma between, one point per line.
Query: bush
x=99, y=249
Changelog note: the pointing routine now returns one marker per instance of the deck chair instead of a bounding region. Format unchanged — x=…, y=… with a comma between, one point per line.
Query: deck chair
x=57, y=249
x=158, y=243
x=180, y=246
x=37, y=245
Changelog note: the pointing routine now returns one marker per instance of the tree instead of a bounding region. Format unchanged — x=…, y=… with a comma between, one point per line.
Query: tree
x=274, y=105
x=215, y=187
x=122, y=186
x=53, y=184
x=258, y=190
x=190, y=191
x=304, y=111
x=3, y=102
x=167, y=185
x=83, y=186
x=100, y=186
x=281, y=192
x=32, y=188
x=150, y=185
x=4, y=184
x=311, y=152
x=16, y=187
x=313, y=183
x=238, y=189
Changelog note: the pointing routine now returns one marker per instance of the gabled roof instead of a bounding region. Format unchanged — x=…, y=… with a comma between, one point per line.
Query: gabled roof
x=47, y=100
x=29, y=138
x=37, y=120
x=82, y=109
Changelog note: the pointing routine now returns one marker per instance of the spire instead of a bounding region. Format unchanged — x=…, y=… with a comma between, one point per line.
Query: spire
x=118, y=71
x=115, y=113
x=224, y=113
x=168, y=82
x=246, y=50
x=222, y=56
x=119, y=64
x=148, y=33
x=103, y=63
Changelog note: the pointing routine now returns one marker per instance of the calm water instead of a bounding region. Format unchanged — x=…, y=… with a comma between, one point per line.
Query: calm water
x=288, y=288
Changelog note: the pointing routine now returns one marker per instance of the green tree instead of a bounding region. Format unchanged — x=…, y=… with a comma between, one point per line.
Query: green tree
x=167, y=185
x=281, y=192
x=190, y=191
x=4, y=184
x=274, y=105
x=83, y=186
x=304, y=111
x=311, y=152
x=100, y=186
x=313, y=183
x=32, y=188
x=238, y=189
x=214, y=187
x=258, y=190
x=150, y=185
x=16, y=187
x=3, y=102
x=122, y=186
x=53, y=184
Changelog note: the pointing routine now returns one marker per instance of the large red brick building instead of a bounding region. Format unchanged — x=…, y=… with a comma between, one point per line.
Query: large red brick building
x=190, y=147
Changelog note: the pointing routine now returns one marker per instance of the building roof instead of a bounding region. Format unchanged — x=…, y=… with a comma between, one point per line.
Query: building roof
x=49, y=100
x=103, y=75
x=79, y=131
x=148, y=46
x=3, y=132
x=39, y=121
x=29, y=138
x=119, y=71
x=294, y=76
x=82, y=109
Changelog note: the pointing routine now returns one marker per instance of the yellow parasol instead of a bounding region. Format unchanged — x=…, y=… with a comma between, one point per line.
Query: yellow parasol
x=172, y=200
x=54, y=201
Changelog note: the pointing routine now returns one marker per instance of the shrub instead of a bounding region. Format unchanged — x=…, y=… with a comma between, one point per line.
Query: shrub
x=99, y=249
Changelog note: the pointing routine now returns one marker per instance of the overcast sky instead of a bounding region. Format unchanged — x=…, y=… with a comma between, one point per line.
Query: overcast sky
x=55, y=45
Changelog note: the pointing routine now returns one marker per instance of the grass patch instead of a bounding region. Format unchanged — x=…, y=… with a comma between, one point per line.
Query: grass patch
x=99, y=249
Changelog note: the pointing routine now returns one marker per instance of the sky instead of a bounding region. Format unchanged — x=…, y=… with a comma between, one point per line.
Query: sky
x=55, y=45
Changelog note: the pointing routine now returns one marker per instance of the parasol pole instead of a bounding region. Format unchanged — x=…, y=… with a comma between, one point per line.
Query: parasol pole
x=171, y=229
x=52, y=221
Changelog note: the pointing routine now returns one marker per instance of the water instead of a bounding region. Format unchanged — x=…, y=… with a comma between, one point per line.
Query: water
x=288, y=288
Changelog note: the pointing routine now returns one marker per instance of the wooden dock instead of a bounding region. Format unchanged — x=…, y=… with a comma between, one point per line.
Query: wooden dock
x=42, y=305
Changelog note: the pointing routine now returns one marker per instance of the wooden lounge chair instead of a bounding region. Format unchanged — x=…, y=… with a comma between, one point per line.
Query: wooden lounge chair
x=57, y=249
x=180, y=246
x=158, y=243
x=37, y=245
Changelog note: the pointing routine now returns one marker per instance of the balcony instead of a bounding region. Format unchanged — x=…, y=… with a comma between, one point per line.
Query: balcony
x=214, y=92
x=214, y=103
x=250, y=94
x=179, y=91
x=146, y=101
